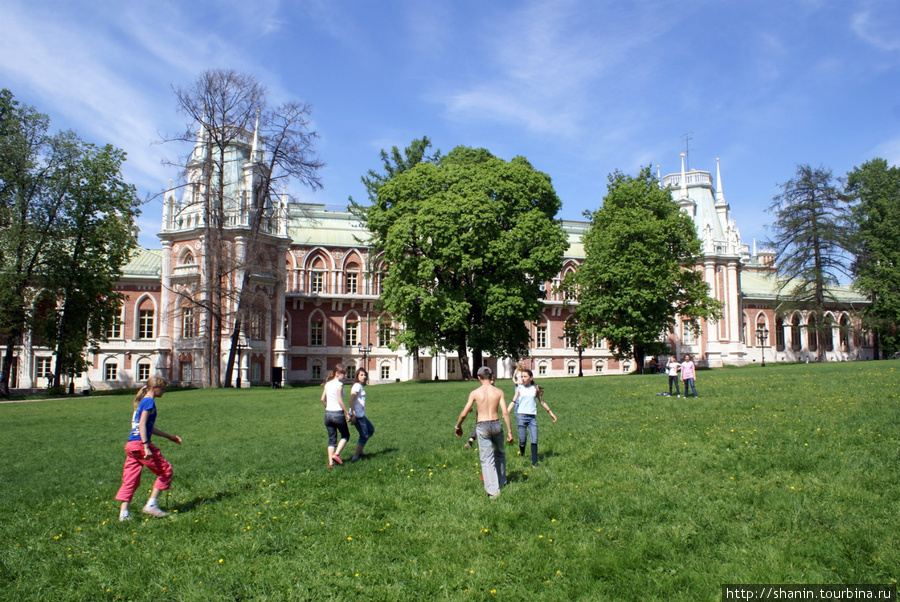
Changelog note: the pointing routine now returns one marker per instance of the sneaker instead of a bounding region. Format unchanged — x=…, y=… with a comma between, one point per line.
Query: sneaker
x=124, y=516
x=337, y=459
x=467, y=446
x=155, y=511
x=493, y=496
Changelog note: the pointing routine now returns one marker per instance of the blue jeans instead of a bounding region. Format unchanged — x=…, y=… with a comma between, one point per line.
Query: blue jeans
x=689, y=382
x=492, y=455
x=365, y=429
x=527, y=426
x=674, y=380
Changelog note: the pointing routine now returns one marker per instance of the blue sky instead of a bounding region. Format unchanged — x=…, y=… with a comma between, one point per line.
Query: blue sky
x=579, y=87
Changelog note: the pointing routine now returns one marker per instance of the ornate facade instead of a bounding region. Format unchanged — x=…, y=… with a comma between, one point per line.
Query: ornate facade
x=313, y=286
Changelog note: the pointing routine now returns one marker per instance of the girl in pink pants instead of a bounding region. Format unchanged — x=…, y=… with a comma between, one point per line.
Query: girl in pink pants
x=140, y=452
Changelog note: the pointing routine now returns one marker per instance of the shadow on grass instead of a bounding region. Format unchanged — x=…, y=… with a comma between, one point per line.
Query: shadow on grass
x=387, y=450
x=200, y=500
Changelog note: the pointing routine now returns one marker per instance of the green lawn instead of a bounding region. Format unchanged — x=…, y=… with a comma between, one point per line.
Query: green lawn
x=782, y=474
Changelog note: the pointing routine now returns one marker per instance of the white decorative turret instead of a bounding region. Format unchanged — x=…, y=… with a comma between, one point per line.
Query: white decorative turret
x=722, y=208
x=684, y=201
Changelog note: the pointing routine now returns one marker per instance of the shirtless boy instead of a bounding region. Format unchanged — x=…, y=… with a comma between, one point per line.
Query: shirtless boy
x=489, y=403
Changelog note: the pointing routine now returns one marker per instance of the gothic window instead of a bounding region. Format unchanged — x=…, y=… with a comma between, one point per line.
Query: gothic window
x=145, y=324
x=257, y=325
x=317, y=332
x=351, y=332
x=187, y=323
x=796, y=345
x=385, y=333
x=779, y=334
x=812, y=333
x=352, y=279
x=845, y=333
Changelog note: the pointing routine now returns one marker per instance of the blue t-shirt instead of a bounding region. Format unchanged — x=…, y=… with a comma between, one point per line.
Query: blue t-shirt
x=147, y=405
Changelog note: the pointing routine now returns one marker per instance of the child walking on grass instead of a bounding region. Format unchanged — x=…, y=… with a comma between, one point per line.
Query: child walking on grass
x=359, y=419
x=336, y=414
x=525, y=402
x=140, y=451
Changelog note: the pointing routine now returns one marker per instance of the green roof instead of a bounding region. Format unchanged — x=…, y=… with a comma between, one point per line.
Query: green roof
x=144, y=263
x=763, y=286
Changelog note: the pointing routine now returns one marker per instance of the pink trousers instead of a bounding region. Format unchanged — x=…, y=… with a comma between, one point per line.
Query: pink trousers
x=134, y=462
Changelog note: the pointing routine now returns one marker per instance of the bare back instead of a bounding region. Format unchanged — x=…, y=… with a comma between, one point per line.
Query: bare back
x=488, y=400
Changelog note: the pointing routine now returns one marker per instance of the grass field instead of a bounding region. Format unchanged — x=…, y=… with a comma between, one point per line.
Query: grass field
x=782, y=474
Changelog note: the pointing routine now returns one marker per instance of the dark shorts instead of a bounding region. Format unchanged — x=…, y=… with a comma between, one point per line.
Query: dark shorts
x=335, y=422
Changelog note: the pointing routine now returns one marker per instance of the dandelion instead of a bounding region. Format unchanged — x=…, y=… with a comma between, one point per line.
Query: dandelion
x=221, y=560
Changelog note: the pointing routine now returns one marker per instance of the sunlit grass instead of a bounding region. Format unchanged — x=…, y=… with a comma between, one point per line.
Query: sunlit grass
x=787, y=474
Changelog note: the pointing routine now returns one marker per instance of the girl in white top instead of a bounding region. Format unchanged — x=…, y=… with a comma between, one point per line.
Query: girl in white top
x=336, y=414
x=359, y=419
x=525, y=403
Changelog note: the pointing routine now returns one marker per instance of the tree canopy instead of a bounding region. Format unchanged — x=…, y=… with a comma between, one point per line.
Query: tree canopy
x=812, y=241
x=466, y=240
x=66, y=231
x=639, y=270
x=876, y=215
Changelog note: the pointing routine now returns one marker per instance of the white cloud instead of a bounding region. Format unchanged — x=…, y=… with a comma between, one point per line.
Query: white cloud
x=877, y=25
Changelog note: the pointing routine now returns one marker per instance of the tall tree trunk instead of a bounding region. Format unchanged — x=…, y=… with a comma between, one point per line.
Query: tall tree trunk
x=477, y=359
x=463, y=353
x=640, y=355
x=6, y=369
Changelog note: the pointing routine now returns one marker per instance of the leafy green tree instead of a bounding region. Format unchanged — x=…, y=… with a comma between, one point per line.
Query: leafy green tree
x=33, y=184
x=640, y=269
x=812, y=241
x=467, y=242
x=876, y=215
x=393, y=164
x=49, y=185
x=95, y=233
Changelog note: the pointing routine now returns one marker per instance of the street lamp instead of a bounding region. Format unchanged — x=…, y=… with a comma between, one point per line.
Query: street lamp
x=762, y=337
x=240, y=347
x=365, y=350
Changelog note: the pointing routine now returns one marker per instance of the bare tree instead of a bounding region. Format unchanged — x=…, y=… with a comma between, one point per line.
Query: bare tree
x=229, y=110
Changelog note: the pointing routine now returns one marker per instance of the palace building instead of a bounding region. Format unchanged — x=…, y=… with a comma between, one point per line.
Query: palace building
x=312, y=290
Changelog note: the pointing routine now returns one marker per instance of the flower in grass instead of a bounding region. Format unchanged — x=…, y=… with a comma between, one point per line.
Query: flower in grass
x=493, y=591
x=221, y=560
x=349, y=539
x=485, y=531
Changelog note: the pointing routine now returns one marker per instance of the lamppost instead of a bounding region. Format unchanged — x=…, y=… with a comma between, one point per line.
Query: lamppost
x=365, y=350
x=240, y=347
x=762, y=337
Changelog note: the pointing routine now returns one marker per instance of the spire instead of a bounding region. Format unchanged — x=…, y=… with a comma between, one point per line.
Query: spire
x=720, y=196
x=684, y=192
x=254, y=152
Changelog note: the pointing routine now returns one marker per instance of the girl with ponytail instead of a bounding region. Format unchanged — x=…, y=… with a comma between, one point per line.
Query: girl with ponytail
x=140, y=451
